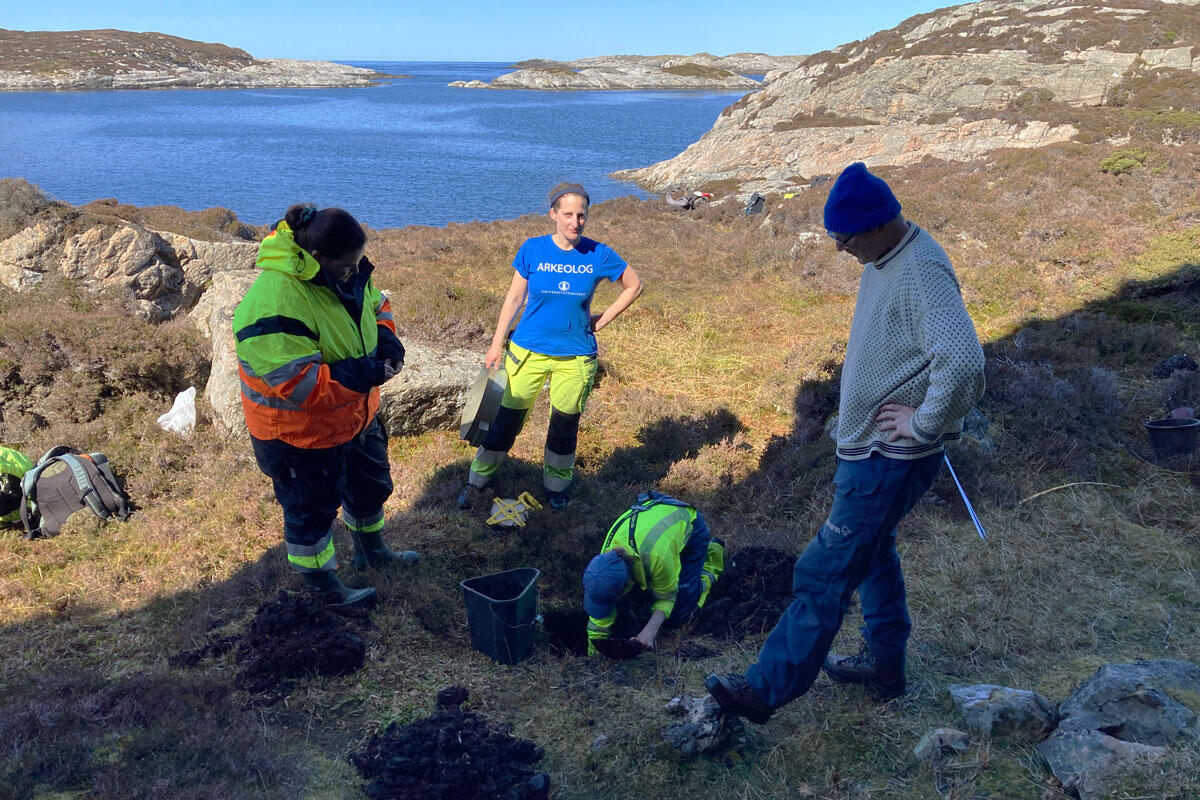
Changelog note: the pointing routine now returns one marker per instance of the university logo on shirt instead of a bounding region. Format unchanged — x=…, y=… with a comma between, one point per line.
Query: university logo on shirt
x=563, y=286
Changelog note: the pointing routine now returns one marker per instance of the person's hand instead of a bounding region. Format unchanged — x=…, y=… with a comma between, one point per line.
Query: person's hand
x=897, y=419
x=391, y=368
x=494, y=357
x=646, y=640
x=596, y=319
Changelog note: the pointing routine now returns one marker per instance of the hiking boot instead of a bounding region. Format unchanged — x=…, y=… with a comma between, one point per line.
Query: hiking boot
x=335, y=593
x=737, y=697
x=467, y=497
x=370, y=549
x=862, y=669
x=558, y=500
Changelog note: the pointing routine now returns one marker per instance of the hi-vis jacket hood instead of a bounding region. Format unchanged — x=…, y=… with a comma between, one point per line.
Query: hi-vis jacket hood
x=307, y=348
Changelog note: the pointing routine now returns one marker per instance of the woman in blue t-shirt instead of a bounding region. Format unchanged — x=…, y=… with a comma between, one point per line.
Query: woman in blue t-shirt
x=554, y=279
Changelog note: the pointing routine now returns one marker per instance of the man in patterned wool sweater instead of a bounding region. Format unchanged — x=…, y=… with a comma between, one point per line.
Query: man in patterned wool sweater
x=913, y=370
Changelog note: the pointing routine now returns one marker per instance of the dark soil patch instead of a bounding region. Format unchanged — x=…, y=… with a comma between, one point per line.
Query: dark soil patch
x=293, y=636
x=748, y=599
x=451, y=755
x=566, y=628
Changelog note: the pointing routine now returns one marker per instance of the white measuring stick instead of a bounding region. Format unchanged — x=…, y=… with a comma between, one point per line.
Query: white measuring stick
x=961, y=491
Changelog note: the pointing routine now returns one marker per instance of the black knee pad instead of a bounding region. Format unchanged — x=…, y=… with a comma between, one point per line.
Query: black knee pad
x=563, y=432
x=505, y=427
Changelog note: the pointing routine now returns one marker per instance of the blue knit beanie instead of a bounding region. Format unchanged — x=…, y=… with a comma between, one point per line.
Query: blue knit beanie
x=859, y=201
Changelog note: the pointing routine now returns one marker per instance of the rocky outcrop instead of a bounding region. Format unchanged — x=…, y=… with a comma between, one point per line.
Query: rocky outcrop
x=680, y=76
x=953, y=84
x=160, y=273
x=109, y=59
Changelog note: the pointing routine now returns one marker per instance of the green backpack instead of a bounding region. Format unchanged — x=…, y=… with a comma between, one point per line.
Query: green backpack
x=64, y=481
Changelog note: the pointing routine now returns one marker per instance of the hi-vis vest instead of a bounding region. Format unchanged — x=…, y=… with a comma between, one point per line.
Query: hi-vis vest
x=289, y=330
x=654, y=530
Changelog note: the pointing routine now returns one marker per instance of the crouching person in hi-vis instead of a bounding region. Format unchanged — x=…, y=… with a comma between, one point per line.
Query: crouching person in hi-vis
x=315, y=339
x=660, y=544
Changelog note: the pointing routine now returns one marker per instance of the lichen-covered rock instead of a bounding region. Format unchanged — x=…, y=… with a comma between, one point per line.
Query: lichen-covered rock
x=1134, y=702
x=1092, y=764
x=953, y=84
x=999, y=710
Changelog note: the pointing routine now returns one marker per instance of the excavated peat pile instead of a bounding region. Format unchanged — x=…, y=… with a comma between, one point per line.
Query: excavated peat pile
x=748, y=599
x=296, y=635
x=451, y=755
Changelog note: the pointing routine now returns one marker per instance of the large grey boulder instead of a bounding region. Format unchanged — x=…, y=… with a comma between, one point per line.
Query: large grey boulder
x=429, y=392
x=213, y=316
x=1093, y=764
x=999, y=710
x=1134, y=702
x=1115, y=727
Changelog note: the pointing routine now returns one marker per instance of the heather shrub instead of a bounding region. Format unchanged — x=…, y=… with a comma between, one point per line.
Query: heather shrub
x=19, y=201
x=1182, y=388
x=1123, y=161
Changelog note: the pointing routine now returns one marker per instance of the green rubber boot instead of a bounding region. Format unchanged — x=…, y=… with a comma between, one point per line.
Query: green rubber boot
x=337, y=593
x=369, y=549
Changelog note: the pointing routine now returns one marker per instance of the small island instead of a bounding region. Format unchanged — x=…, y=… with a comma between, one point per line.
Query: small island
x=112, y=59
x=673, y=72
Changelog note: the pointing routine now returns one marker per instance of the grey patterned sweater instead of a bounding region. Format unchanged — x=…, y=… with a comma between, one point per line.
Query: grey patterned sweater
x=911, y=342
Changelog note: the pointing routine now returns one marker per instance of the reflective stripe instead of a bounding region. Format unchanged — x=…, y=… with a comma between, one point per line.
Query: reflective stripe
x=261, y=399
x=284, y=373
x=650, y=539
x=319, y=557
x=490, y=456
x=560, y=461
x=554, y=483
x=364, y=524
x=380, y=316
x=484, y=466
x=265, y=326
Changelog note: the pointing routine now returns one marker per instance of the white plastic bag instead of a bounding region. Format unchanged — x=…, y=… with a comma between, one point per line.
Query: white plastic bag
x=181, y=418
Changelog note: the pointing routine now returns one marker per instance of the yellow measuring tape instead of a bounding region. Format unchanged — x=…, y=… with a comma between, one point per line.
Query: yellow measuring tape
x=509, y=513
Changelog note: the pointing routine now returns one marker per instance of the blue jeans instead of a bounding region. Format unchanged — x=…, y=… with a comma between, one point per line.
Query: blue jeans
x=312, y=484
x=855, y=549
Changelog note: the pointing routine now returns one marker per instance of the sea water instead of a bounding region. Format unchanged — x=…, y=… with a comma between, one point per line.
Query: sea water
x=411, y=151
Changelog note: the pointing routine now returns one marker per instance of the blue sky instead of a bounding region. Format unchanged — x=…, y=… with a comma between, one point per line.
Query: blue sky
x=478, y=30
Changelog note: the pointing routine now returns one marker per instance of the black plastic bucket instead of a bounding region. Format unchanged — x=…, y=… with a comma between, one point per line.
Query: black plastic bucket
x=502, y=612
x=1172, y=437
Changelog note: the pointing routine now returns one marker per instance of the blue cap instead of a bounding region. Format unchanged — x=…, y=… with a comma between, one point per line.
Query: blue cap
x=603, y=584
x=859, y=201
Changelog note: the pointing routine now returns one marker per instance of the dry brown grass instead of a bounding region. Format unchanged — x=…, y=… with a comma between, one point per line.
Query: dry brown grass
x=715, y=386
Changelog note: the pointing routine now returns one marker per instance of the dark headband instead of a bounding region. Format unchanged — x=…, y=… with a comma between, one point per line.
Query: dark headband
x=570, y=188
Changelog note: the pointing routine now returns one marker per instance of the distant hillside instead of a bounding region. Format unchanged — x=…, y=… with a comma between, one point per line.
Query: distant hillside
x=960, y=82
x=112, y=59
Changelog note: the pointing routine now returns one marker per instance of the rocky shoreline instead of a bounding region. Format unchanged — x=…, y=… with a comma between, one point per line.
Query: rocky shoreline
x=108, y=59
x=647, y=73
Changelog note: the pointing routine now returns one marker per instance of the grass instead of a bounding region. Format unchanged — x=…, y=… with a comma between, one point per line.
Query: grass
x=715, y=386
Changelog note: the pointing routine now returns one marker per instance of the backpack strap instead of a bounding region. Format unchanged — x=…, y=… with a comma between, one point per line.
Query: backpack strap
x=118, y=499
x=87, y=490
